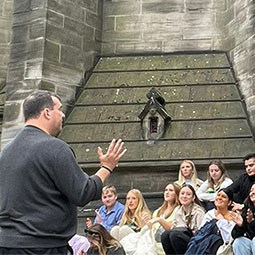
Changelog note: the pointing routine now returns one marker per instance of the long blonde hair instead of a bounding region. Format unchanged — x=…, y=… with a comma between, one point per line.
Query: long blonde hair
x=181, y=179
x=101, y=239
x=136, y=217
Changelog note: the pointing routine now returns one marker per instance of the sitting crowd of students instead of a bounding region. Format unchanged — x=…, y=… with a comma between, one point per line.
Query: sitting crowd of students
x=196, y=217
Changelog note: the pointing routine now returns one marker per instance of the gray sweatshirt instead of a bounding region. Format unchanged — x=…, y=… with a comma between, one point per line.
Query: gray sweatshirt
x=40, y=186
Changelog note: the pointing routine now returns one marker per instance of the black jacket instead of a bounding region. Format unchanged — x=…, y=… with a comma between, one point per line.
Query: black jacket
x=247, y=229
x=240, y=188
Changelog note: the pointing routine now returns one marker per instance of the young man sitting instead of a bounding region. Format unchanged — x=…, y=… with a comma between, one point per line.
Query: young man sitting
x=111, y=212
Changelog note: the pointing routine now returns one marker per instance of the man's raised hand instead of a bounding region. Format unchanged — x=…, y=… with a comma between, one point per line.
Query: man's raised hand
x=114, y=153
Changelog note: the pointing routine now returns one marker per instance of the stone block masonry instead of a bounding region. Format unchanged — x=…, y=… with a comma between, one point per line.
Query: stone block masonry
x=5, y=36
x=142, y=26
x=53, y=43
x=239, y=41
x=162, y=26
x=25, y=61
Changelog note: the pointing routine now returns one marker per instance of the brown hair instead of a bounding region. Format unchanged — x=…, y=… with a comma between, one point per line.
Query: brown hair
x=196, y=201
x=223, y=170
x=175, y=204
x=100, y=237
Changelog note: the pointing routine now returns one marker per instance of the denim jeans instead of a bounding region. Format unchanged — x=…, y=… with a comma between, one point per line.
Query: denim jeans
x=243, y=245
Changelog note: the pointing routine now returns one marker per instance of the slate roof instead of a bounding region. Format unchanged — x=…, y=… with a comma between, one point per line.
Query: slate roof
x=208, y=115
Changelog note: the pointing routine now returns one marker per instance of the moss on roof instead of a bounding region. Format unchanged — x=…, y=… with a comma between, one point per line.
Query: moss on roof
x=208, y=116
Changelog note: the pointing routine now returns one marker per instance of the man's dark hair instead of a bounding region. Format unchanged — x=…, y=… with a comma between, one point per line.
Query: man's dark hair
x=36, y=102
x=249, y=156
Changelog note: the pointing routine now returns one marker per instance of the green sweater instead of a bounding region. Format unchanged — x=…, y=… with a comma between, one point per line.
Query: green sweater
x=40, y=186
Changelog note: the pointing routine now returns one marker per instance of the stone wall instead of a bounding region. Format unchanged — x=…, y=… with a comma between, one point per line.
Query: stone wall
x=25, y=61
x=159, y=26
x=5, y=35
x=53, y=43
x=73, y=41
x=143, y=26
x=239, y=24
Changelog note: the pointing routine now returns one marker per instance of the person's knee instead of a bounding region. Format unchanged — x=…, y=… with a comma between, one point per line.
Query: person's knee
x=115, y=229
x=236, y=244
x=175, y=236
x=253, y=245
x=165, y=237
x=115, y=232
x=241, y=243
x=124, y=231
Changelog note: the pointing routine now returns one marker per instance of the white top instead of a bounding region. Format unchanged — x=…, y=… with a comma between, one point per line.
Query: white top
x=181, y=218
x=203, y=191
x=189, y=182
x=225, y=227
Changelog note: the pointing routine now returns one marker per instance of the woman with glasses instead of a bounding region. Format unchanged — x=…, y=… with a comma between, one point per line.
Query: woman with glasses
x=101, y=242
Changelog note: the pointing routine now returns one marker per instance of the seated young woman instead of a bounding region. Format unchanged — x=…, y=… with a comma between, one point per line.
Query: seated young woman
x=188, y=175
x=216, y=179
x=162, y=218
x=136, y=215
x=215, y=228
x=244, y=231
x=147, y=241
x=101, y=242
x=187, y=219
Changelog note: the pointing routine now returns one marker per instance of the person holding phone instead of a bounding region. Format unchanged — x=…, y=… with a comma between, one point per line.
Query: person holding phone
x=110, y=213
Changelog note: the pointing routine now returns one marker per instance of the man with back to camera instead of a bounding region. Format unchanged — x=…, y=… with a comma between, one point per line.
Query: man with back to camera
x=241, y=187
x=41, y=182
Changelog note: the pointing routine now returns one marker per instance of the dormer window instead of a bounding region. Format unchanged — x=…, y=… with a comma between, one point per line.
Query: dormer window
x=154, y=118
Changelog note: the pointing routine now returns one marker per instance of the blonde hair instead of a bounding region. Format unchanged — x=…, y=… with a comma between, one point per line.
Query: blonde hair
x=102, y=239
x=181, y=179
x=136, y=217
x=163, y=207
x=109, y=188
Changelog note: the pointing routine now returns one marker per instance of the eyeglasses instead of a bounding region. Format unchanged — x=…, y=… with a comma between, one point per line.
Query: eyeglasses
x=91, y=233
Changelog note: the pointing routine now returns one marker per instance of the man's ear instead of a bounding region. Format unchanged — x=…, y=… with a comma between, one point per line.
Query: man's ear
x=46, y=112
